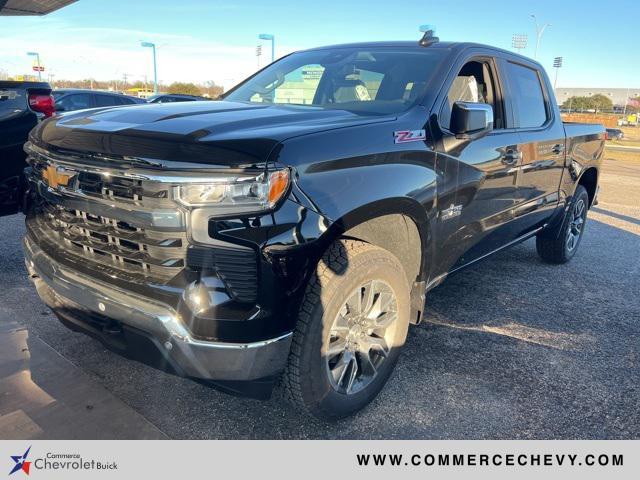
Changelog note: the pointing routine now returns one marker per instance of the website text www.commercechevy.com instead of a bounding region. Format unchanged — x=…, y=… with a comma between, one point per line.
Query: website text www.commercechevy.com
x=489, y=460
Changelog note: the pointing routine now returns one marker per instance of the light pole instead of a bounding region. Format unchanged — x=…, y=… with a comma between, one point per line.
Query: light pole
x=268, y=36
x=37, y=55
x=155, y=68
x=539, y=32
x=557, y=64
x=519, y=41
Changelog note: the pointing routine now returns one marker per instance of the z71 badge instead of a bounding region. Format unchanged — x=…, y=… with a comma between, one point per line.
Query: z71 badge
x=404, y=136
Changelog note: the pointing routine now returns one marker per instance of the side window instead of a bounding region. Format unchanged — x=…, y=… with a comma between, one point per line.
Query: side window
x=474, y=83
x=106, y=101
x=528, y=98
x=77, y=101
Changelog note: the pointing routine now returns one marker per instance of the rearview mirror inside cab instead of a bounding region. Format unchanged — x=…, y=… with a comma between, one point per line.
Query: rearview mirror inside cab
x=470, y=119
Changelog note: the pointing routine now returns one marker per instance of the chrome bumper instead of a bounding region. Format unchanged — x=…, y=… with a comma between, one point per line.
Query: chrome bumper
x=60, y=286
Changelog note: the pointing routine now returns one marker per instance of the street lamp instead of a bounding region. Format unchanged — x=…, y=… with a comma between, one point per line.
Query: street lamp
x=557, y=64
x=539, y=32
x=268, y=36
x=155, y=69
x=37, y=55
x=519, y=41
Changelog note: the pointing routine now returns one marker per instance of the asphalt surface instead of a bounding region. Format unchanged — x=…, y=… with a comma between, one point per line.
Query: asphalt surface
x=512, y=348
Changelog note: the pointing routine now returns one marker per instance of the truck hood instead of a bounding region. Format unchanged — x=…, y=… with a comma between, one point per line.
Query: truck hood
x=218, y=133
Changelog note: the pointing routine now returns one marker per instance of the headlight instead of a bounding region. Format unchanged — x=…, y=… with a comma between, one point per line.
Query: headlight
x=236, y=194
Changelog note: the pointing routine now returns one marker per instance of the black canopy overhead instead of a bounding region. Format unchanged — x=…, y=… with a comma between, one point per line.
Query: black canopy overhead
x=31, y=7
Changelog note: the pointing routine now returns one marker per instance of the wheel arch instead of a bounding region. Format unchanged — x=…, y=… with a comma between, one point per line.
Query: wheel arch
x=589, y=180
x=399, y=226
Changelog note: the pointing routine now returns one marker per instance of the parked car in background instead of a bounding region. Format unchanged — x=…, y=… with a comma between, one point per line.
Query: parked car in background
x=614, y=134
x=22, y=106
x=68, y=100
x=175, y=97
x=629, y=121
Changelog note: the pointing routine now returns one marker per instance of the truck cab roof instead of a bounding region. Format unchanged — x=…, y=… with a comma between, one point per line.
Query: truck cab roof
x=454, y=47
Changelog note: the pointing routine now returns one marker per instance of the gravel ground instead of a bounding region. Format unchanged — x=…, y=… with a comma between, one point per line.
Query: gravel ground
x=512, y=348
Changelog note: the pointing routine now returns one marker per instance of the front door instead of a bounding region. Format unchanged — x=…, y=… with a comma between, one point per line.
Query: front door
x=479, y=217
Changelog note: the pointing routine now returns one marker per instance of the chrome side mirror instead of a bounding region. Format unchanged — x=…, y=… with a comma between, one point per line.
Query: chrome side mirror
x=470, y=119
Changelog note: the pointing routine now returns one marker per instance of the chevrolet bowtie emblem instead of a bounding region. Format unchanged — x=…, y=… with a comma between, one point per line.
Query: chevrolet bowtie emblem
x=56, y=176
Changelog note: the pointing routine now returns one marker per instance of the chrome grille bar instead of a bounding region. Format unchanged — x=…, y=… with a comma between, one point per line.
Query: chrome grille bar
x=100, y=241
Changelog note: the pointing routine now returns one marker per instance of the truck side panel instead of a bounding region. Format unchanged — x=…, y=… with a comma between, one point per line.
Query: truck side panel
x=585, y=148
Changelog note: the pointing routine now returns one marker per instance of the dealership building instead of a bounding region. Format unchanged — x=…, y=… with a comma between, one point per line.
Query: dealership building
x=618, y=96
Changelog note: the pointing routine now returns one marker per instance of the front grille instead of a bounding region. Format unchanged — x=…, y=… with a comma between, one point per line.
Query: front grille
x=108, y=218
x=125, y=226
x=114, y=242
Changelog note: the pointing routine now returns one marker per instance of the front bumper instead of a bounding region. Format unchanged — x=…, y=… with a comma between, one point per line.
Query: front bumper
x=78, y=300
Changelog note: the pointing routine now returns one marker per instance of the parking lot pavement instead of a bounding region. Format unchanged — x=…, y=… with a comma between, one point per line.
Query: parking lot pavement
x=45, y=396
x=512, y=348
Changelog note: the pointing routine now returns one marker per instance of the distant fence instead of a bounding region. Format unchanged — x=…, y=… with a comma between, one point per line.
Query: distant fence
x=606, y=119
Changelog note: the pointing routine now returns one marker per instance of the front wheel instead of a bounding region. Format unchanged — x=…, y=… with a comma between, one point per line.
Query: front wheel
x=352, y=324
x=559, y=244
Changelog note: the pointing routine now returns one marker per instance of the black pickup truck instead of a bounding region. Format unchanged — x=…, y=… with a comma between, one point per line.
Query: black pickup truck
x=22, y=106
x=288, y=234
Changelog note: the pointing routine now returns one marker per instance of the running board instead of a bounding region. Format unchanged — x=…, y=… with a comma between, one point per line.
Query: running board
x=441, y=278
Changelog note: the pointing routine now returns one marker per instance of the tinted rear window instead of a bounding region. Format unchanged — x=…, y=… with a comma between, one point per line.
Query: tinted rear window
x=107, y=101
x=75, y=101
x=527, y=95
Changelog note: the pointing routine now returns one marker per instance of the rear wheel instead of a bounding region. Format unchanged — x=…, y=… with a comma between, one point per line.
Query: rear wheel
x=352, y=324
x=559, y=244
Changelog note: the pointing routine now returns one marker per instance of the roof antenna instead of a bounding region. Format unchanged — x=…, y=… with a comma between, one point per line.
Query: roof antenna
x=429, y=37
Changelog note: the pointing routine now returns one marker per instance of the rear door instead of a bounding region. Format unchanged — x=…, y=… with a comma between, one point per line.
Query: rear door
x=541, y=141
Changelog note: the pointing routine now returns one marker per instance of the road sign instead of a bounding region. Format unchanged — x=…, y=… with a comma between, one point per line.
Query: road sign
x=37, y=68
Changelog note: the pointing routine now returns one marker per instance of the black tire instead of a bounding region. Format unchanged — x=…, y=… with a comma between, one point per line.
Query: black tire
x=554, y=244
x=345, y=269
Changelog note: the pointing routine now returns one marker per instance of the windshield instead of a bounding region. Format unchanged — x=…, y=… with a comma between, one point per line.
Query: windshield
x=366, y=80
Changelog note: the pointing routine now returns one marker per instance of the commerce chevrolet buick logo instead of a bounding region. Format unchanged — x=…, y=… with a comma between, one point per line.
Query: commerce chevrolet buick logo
x=55, y=176
x=21, y=463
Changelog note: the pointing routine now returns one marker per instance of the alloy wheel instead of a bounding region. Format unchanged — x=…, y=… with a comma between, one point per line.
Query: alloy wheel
x=361, y=337
x=578, y=217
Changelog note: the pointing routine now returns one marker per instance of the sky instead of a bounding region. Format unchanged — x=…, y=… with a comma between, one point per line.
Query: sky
x=215, y=40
